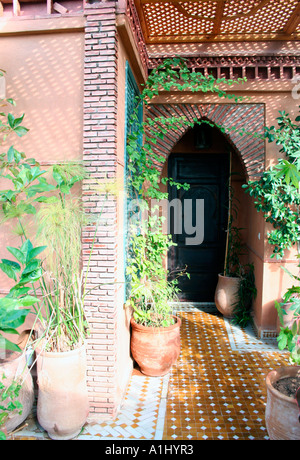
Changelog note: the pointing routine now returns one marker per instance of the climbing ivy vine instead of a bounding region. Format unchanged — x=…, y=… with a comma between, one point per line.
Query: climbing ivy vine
x=151, y=291
x=172, y=74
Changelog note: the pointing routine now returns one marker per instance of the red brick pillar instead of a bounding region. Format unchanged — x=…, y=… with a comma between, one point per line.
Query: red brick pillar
x=99, y=155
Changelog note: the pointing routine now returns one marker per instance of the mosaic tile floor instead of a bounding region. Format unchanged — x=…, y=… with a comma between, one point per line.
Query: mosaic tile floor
x=215, y=391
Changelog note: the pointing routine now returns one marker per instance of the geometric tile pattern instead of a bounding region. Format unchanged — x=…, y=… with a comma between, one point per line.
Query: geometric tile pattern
x=141, y=415
x=215, y=390
x=245, y=339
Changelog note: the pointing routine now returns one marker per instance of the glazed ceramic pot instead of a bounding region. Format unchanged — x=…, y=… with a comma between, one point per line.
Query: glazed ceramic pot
x=14, y=367
x=282, y=412
x=155, y=349
x=62, y=406
x=226, y=294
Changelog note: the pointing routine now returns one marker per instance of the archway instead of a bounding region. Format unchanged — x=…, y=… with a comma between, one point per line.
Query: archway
x=247, y=119
x=207, y=167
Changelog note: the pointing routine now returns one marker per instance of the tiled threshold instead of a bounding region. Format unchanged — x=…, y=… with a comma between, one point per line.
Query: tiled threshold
x=215, y=391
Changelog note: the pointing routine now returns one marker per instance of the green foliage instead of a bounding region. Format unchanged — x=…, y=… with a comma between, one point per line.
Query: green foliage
x=9, y=403
x=276, y=192
x=26, y=268
x=233, y=266
x=46, y=196
x=151, y=292
x=277, y=195
x=289, y=335
x=25, y=272
x=246, y=294
x=234, y=245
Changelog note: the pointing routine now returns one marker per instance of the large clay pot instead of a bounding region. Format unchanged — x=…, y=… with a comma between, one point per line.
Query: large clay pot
x=14, y=367
x=62, y=407
x=282, y=412
x=226, y=294
x=155, y=349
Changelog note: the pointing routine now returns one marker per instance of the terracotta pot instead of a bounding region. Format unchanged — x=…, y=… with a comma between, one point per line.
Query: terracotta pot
x=12, y=367
x=155, y=349
x=282, y=412
x=62, y=407
x=226, y=294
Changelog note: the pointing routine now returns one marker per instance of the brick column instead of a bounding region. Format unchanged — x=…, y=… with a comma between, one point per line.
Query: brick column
x=99, y=155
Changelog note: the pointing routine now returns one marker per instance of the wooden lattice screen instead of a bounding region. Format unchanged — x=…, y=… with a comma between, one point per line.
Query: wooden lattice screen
x=192, y=20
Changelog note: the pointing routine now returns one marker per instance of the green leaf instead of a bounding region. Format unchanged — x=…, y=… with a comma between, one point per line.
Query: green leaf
x=65, y=188
x=11, y=154
x=18, y=291
x=9, y=271
x=31, y=277
x=10, y=119
x=6, y=344
x=21, y=131
x=29, y=209
x=18, y=121
x=28, y=300
x=280, y=312
x=46, y=199
x=31, y=266
x=282, y=342
x=17, y=253
x=35, y=252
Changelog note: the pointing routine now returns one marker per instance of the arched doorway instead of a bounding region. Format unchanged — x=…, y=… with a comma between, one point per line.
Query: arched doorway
x=205, y=160
x=248, y=152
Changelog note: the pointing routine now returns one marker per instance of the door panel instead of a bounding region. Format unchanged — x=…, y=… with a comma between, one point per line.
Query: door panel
x=208, y=176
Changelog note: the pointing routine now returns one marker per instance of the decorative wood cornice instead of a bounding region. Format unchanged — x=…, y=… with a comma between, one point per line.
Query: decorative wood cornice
x=281, y=67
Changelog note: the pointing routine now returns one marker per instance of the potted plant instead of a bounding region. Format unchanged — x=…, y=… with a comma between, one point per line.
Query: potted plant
x=155, y=340
x=235, y=289
x=150, y=289
x=16, y=386
x=62, y=406
x=59, y=282
x=228, y=285
x=277, y=195
x=58, y=213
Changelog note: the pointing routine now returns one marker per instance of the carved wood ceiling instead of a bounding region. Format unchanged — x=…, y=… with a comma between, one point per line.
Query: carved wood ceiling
x=176, y=21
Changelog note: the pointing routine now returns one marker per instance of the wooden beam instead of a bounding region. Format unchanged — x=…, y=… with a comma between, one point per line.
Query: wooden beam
x=59, y=8
x=173, y=1
x=16, y=8
x=218, y=17
x=234, y=37
x=143, y=22
x=293, y=22
x=49, y=6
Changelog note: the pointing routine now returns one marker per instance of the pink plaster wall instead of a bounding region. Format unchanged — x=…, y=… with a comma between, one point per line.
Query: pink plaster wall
x=44, y=76
x=271, y=281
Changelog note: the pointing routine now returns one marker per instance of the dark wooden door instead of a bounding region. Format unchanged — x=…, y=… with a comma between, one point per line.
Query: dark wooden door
x=208, y=176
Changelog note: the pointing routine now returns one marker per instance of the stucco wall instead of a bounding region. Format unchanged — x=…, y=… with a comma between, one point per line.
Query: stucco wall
x=271, y=281
x=44, y=75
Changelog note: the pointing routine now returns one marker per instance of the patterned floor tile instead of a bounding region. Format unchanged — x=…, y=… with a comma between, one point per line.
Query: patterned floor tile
x=218, y=381
x=215, y=391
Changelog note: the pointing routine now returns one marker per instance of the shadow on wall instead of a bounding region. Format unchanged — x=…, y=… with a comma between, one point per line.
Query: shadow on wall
x=44, y=74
